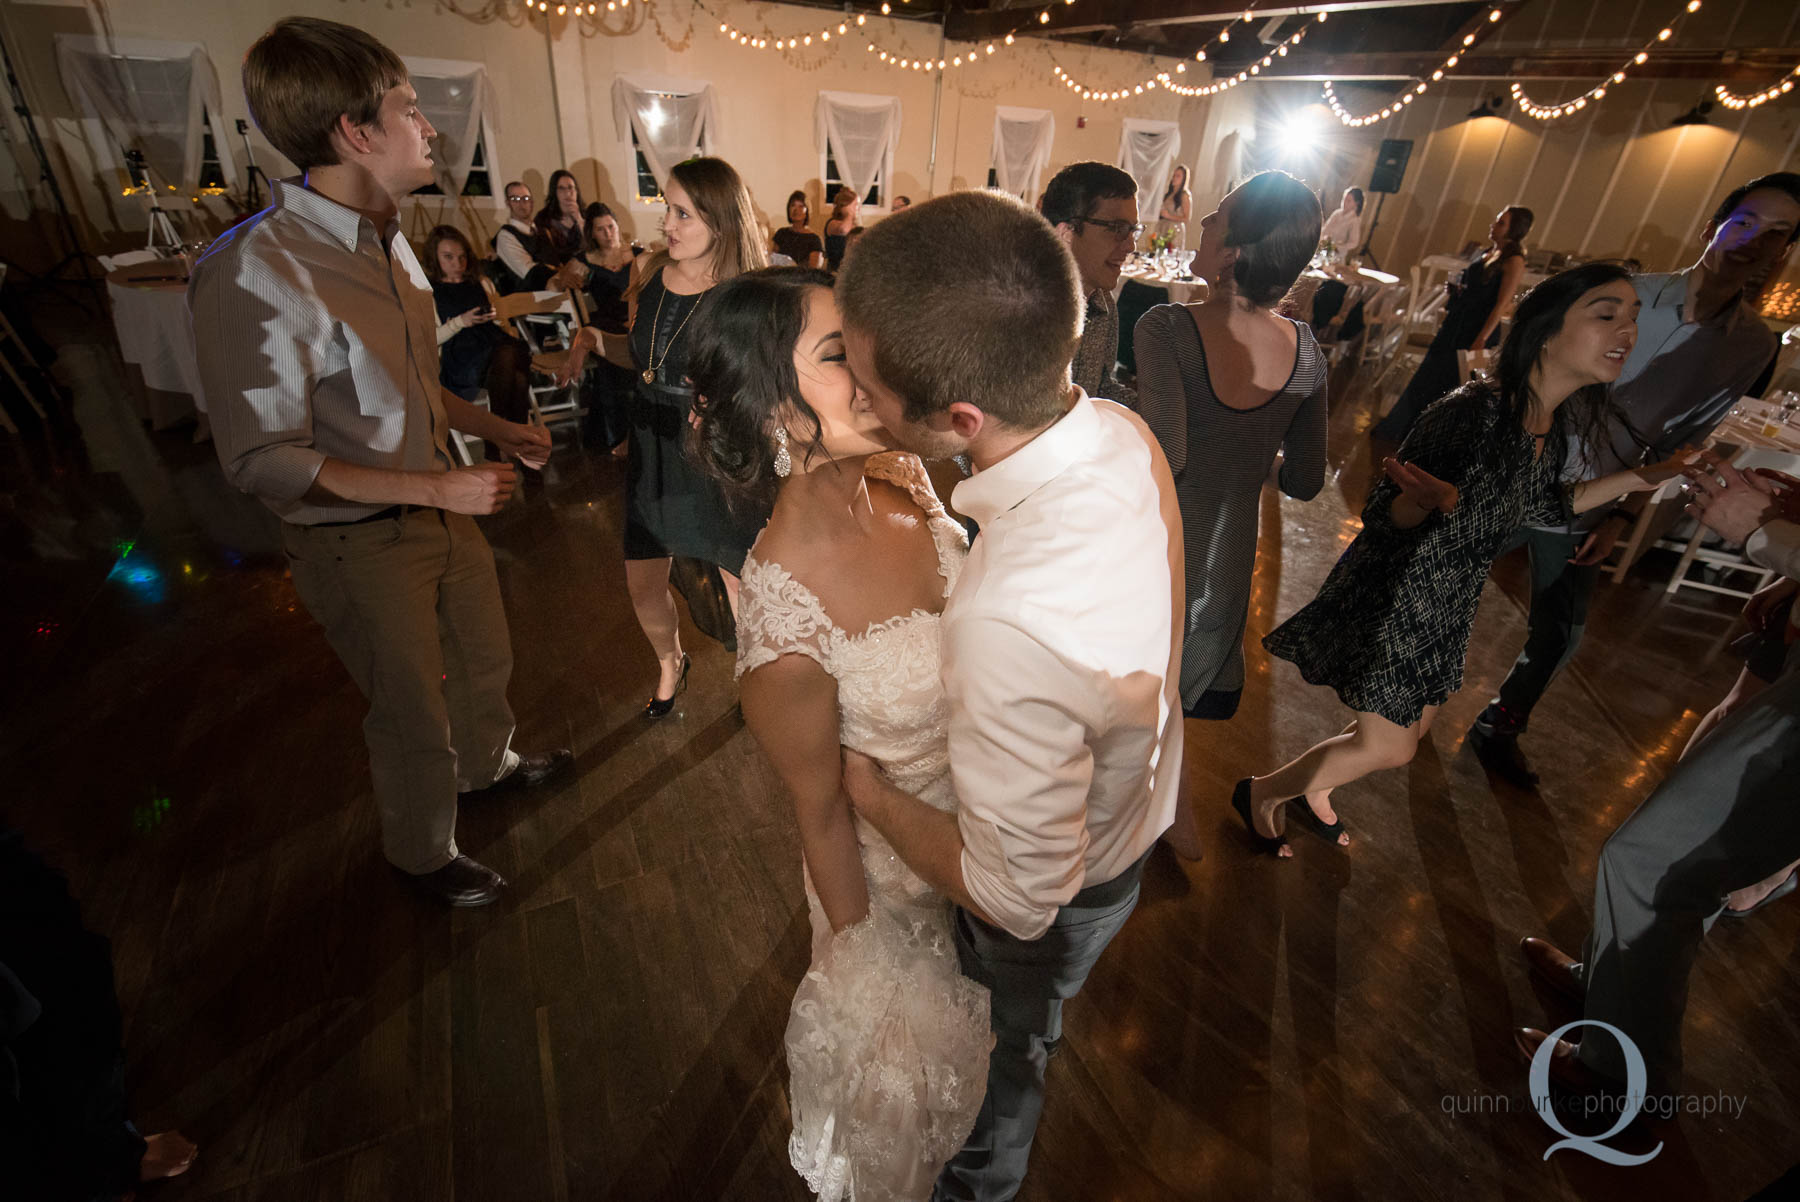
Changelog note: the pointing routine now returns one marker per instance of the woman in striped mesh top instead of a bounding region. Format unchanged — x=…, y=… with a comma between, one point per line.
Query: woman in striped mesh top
x=1235, y=394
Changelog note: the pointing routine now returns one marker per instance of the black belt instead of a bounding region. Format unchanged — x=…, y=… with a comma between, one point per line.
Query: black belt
x=380, y=515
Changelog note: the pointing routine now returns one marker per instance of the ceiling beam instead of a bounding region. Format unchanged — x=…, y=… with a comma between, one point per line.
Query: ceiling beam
x=1092, y=16
x=1759, y=67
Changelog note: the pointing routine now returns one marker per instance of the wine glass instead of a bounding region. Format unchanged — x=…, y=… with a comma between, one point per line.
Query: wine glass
x=1185, y=263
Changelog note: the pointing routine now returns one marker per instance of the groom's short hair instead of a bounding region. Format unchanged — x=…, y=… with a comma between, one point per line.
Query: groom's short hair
x=968, y=297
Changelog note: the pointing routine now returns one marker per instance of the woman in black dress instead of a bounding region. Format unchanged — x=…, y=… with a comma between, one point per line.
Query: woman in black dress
x=796, y=239
x=473, y=353
x=671, y=507
x=608, y=387
x=1390, y=627
x=1479, y=297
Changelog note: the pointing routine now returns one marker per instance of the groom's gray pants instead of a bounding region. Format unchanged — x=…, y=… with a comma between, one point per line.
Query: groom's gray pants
x=1029, y=979
x=1726, y=817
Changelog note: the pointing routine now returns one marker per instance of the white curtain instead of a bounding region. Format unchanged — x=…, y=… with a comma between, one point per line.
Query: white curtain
x=153, y=96
x=674, y=119
x=860, y=132
x=1022, y=139
x=456, y=98
x=1147, y=149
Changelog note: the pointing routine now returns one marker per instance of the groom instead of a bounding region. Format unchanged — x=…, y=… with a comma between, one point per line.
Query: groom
x=1061, y=640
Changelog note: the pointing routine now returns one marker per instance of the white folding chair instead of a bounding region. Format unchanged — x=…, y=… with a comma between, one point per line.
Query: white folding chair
x=544, y=321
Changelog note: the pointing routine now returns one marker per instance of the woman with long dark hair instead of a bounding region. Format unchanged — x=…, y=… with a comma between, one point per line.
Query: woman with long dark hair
x=710, y=235
x=1177, y=208
x=559, y=222
x=1390, y=627
x=1479, y=298
x=838, y=644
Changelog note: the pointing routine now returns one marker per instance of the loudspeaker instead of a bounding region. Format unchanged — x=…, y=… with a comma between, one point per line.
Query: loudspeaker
x=1390, y=165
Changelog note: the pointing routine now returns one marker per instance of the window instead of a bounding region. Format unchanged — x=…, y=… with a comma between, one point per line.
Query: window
x=647, y=190
x=477, y=184
x=834, y=180
x=212, y=175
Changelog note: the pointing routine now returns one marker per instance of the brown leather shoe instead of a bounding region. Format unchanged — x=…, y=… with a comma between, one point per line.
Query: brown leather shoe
x=461, y=882
x=1555, y=968
x=532, y=771
x=1567, y=1072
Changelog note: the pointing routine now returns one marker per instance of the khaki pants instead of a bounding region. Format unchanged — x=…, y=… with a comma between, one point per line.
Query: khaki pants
x=412, y=607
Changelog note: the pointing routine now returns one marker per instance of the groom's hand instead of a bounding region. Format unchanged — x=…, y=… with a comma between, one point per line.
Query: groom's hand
x=862, y=779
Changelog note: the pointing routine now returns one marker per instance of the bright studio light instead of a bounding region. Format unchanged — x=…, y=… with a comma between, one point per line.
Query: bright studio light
x=1300, y=134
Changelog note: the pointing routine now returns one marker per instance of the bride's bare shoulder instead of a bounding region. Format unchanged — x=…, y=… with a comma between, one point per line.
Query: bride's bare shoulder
x=806, y=529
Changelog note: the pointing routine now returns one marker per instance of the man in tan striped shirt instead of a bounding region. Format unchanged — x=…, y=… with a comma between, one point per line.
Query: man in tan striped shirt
x=316, y=337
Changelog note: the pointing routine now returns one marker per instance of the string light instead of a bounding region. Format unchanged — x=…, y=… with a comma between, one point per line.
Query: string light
x=1551, y=112
x=763, y=41
x=1416, y=90
x=1166, y=80
x=1732, y=100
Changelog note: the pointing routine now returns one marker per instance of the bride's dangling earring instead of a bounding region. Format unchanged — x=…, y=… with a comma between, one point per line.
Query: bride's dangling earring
x=784, y=465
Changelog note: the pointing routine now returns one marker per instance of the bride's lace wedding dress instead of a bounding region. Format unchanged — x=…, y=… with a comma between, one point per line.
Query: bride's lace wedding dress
x=887, y=1041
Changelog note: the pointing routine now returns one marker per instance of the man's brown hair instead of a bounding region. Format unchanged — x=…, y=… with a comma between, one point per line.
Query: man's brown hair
x=305, y=73
x=968, y=297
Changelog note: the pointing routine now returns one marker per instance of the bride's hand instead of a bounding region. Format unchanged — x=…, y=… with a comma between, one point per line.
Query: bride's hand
x=861, y=774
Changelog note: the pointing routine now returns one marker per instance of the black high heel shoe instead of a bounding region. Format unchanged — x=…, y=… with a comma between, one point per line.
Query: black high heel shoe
x=1331, y=832
x=1240, y=801
x=659, y=707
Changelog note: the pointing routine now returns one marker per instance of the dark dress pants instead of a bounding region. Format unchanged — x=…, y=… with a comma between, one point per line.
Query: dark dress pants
x=1030, y=979
x=1560, y=592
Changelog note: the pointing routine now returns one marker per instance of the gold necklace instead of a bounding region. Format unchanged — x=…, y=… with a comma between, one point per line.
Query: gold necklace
x=650, y=369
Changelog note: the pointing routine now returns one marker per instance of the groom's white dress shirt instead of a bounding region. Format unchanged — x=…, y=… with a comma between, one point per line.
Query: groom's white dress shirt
x=1062, y=653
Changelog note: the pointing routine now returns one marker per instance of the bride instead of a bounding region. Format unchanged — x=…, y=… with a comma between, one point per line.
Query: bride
x=887, y=1041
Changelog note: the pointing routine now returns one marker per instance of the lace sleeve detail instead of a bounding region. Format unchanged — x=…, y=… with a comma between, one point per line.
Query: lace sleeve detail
x=905, y=470
x=777, y=616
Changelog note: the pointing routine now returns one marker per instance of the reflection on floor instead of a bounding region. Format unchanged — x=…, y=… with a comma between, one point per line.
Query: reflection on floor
x=1337, y=1026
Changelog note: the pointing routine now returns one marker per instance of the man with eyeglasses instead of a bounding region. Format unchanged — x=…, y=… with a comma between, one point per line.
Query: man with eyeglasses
x=515, y=241
x=1094, y=209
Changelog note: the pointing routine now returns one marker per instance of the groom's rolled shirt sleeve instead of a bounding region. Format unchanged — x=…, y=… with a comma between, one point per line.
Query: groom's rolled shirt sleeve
x=1021, y=765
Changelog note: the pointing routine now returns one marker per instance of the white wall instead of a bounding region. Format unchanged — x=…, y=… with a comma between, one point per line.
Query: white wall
x=766, y=97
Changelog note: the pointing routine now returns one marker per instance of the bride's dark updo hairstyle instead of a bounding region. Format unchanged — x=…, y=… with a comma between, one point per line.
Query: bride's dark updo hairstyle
x=742, y=368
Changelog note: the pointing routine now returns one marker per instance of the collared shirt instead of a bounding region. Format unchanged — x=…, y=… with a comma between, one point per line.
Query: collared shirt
x=515, y=252
x=1062, y=658
x=316, y=338
x=1680, y=380
x=1096, y=365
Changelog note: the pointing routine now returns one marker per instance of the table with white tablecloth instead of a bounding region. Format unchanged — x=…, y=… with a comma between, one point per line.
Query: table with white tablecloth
x=150, y=316
x=1180, y=289
x=1755, y=435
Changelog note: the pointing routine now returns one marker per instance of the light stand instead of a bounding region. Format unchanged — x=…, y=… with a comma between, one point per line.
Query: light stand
x=161, y=233
x=252, y=173
x=47, y=176
x=1374, y=224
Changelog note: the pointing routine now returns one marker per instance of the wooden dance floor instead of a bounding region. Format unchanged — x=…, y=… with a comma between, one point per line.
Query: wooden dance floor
x=185, y=745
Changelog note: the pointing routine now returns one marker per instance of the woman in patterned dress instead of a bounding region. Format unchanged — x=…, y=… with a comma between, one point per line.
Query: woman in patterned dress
x=1390, y=627
x=838, y=646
